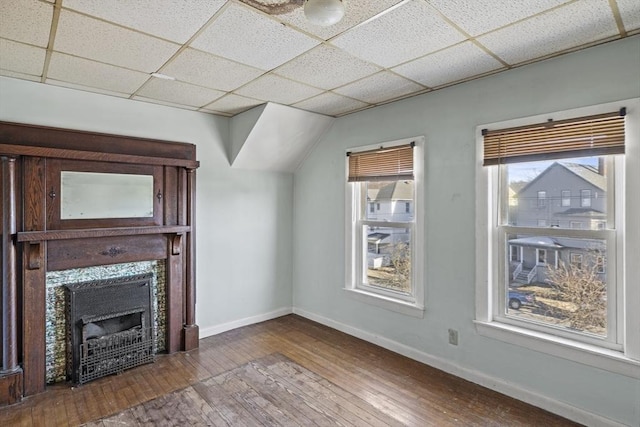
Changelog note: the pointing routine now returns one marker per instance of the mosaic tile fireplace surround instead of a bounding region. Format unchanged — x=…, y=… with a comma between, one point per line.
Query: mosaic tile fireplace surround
x=56, y=309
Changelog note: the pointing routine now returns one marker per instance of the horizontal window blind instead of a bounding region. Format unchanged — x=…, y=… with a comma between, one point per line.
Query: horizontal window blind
x=580, y=137
x=384, y=164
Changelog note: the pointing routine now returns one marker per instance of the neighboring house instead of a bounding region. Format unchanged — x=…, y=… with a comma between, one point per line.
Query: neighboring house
x=531, y=256
x=389, y=202
x=565, y=195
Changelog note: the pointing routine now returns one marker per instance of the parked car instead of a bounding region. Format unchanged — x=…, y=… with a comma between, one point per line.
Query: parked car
x=519, y=298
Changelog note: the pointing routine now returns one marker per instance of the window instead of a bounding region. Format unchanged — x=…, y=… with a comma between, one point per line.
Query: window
x=542, y=223
x=583, y=310
x=542, y=199
x=383, y=250
x=378, y=206
x=371, y=208
x=601, y=264
x=576, y=261
x=585, y=198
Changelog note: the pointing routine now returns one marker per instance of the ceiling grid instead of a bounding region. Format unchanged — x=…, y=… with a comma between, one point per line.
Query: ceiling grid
x=226, y=56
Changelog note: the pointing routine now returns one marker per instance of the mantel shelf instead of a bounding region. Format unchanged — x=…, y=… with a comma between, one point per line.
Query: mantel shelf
x=35, y=236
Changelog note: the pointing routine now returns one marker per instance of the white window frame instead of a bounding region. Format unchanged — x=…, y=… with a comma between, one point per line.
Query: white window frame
x=542, y=199
x=566, y=200
x=413, y=304
x=624, y=360
x=582, y=199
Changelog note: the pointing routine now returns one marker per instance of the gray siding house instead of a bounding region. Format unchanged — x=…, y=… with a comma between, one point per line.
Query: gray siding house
x=565, y=195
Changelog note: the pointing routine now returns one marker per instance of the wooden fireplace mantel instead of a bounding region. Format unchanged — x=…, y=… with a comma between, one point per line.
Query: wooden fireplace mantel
x=35, y=239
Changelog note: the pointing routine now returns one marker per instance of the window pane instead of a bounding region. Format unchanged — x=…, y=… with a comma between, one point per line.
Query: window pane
x=569, y=193
x=388, y=257
x=392, y=200
x=558, y=281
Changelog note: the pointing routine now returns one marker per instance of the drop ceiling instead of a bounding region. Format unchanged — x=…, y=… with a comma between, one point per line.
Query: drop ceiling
x=227, y=57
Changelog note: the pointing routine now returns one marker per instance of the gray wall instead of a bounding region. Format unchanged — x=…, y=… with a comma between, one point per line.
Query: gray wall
x=243, y=218
x=448, y=118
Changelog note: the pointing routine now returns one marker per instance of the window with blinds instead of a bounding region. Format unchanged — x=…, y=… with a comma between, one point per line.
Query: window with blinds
x=384, y=164
x=596, y=135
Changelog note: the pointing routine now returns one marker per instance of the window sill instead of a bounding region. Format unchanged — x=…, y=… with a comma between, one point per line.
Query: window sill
x=391, y=304
x=590, y=355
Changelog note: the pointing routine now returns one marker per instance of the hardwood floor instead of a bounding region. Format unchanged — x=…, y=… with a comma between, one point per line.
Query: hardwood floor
x=369, y=385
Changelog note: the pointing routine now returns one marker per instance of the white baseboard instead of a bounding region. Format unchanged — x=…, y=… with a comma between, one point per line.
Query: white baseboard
x=224, y=327
x=497, y=384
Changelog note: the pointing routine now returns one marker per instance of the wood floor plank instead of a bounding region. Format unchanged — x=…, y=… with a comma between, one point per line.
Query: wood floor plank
x=230, y=410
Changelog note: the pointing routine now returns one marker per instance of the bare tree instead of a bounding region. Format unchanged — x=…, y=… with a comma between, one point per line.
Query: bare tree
x=401, y=262
x=579, y=284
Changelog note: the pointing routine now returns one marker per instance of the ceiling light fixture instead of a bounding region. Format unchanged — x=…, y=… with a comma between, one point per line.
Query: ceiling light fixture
x=324, y=12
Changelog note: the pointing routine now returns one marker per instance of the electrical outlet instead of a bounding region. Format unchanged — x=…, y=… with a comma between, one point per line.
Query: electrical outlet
x=453, y=337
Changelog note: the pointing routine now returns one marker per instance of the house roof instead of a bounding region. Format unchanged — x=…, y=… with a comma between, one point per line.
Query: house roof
x=585, y=172
x=228, y=56
x=588, y=173
x=582, y=212
x=536, y=241
x=545, y=242
x=396, y=190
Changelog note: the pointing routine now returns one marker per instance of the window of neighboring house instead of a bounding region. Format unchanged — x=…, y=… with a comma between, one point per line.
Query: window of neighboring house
x=570, y=270
x=585, y=198
x=371, y=207
x=407, y=207
x=542, y=223
x=576, y=260
x=542, y=199
x=601, y=264
x=392, y=277
x=378, y=206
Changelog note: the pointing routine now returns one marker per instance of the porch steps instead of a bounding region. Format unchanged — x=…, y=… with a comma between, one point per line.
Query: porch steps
x=522, y=277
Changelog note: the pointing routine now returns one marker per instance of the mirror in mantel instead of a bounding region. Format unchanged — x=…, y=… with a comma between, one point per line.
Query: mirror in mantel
x=92, y=195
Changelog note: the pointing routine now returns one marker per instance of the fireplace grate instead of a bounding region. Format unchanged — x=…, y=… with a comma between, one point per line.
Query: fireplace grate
x=115, y=353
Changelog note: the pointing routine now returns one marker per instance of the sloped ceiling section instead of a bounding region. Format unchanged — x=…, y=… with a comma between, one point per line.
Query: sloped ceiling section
x=274, y=137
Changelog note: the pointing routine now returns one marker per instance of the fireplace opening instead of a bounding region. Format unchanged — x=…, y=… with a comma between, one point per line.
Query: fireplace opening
x=109, y=325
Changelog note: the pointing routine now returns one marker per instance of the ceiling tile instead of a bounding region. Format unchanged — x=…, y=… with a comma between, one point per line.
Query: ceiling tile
x=90, y=38
x=380, y=87
x=327, y=67
x=233, y=104
x=331, y=104
x=479, y=17
x=27, y=21
x=21, y=58
x=211, y=71
x=85, y=88
x=630, y=13
x=94, y=74
x=567, y=27
x=169, y=19
x=166, y=103
x=246, y=36
x=449, y=65
x=178, y=92
x=412, y=30
x=20, y=76
x=356, y=11
x=278, y=89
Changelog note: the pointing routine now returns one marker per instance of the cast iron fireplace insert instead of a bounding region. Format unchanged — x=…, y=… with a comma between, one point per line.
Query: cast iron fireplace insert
x=109, y=326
